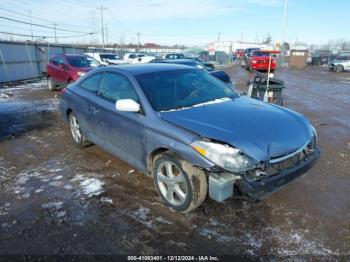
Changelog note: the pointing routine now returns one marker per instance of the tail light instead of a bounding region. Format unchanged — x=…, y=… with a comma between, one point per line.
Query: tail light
x=254, y=61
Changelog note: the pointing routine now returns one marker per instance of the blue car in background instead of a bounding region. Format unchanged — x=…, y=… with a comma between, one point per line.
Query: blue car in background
x=194, y=134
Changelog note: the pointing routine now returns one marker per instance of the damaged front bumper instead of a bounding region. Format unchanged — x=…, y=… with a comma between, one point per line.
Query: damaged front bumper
x=260, y=189
x=221, y=184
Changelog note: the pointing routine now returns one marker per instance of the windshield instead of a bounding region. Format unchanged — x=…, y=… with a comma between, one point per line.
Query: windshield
x=259, y=53
x=182, y=88
x=109, y=57
x=82, y=61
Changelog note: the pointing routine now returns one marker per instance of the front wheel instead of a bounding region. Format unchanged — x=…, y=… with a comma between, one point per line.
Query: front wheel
x=339, y=68
x=180, y=185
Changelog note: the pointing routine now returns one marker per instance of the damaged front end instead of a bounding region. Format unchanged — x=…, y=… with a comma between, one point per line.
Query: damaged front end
x=265, y=178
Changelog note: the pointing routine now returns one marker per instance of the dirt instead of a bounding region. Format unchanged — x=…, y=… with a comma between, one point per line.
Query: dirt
x=58, y=199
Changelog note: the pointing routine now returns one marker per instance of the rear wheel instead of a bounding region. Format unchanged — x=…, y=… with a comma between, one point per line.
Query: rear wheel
x=180, y=185
x=50, y=84
x=75, y=130
x=339, y=68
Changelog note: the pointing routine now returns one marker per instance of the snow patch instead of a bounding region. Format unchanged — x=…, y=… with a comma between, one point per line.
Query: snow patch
x=92, y=187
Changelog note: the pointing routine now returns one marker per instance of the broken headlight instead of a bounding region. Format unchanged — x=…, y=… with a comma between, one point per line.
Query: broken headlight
x=225, y=156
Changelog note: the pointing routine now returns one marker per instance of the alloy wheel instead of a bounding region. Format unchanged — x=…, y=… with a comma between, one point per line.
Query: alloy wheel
x=172, y=183
x=75, y=129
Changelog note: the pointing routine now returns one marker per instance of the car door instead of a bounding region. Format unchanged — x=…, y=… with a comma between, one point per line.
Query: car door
x=53, y=68
x=61, y=69
x=86, y=93
x=123, y=132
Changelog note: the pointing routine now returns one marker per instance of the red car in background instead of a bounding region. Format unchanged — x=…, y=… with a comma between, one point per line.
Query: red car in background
x=239, y=53
x=259, y=60
x=67, y=68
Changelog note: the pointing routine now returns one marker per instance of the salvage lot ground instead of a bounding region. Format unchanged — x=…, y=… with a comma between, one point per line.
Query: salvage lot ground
x=57, y=199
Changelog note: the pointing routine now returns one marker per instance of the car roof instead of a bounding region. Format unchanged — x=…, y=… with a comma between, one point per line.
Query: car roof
x=140, y=69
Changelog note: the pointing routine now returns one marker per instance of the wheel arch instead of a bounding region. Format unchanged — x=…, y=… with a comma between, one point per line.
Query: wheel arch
x=68, y=112
x=153, y=154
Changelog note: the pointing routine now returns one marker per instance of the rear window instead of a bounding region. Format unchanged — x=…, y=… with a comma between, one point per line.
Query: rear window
x=259, y=53
x=92, y=83
x=115, y=87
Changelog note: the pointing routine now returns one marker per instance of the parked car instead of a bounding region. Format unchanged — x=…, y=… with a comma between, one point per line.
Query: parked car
x=107, y=58
x=322, y=57
x=239, y=53
x=343, y=55
x=182, y=56
x=195, y=63
x=248, y=51
x=259, y=60
x=138, y=58
x=175, y=56
x=191, y=132
x=339, y=65
x=67, y=68
x=247, y=54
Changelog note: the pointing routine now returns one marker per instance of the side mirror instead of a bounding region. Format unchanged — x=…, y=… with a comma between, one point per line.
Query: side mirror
x=127, y=105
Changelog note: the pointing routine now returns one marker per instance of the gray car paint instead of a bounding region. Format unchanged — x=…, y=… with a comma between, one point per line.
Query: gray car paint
x=259, y=129
x=252, y=125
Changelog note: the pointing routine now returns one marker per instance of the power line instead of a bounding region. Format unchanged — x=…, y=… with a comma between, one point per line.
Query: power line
x=40, y=36
x=44, y=26
x=38, y=18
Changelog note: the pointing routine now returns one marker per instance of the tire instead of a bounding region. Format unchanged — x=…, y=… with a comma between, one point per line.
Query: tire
x=339, y=68
x=77, y=136
x=50, y=84
x=184, y=188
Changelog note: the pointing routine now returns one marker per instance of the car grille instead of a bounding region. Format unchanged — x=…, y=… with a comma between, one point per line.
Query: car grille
x=291, y=160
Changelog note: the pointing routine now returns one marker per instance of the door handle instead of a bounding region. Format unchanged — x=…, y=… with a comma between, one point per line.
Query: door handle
x=94, y=110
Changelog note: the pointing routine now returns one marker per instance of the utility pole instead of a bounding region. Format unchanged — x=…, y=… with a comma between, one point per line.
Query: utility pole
x=219, y=36
x=55, y=25
x=31, y=26
x=138, y=41
x=106, y=36
x=102, y=29
x=92, y=26
x=284, y=28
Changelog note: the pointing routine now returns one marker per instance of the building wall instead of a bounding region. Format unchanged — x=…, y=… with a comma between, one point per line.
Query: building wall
x=22, y=60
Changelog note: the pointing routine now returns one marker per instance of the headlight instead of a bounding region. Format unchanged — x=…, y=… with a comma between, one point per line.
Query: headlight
x=225, y=156
x=81, y=73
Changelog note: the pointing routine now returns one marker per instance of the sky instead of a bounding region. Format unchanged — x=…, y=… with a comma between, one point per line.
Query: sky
x=185, y=22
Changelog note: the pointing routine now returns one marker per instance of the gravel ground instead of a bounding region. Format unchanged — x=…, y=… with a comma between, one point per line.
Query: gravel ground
x=58, y=199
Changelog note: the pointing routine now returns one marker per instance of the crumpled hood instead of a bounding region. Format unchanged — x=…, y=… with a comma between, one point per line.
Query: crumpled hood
x=260, y=130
